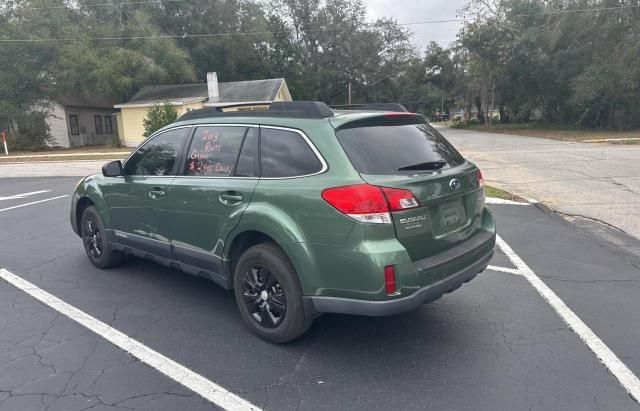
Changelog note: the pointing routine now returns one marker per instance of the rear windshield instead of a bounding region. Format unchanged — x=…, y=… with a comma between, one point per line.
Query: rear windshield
x=398, y=149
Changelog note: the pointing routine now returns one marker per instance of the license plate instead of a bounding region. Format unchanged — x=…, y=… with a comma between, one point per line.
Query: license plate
x=452, y=214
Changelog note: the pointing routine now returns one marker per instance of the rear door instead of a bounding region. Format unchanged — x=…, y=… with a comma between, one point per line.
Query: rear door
x=409, y=154
x=207, y=200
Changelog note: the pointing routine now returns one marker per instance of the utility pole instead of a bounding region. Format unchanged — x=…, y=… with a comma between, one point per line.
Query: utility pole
x=442, y=108
x=349, y=93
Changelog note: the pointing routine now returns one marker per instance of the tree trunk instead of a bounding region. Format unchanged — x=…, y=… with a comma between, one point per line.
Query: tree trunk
x=480, y=114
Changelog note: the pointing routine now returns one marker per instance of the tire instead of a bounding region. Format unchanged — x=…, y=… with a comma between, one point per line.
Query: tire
x=98, y=249
x=263, y=280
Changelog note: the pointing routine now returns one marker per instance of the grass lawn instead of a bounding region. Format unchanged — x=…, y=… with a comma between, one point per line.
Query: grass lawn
x=504, y=195
x=559, y=132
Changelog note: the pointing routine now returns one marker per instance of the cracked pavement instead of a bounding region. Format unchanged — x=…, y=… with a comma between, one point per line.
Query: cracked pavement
x=493, y=344
x=595, y=181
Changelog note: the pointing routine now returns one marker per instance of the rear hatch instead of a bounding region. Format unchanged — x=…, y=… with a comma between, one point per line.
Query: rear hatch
x=401, y=151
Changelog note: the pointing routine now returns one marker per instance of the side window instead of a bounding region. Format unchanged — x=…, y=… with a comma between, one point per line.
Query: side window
x=248, y=155
x=286, y=154
x=158, y=156
x=108, y=125
x=214, y=151
x=73, y=121
x=98, y=120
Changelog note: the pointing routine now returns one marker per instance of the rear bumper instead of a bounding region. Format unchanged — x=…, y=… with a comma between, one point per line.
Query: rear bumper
x=324, y=304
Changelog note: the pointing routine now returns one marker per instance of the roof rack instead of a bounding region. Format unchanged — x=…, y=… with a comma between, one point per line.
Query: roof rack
x=373, y=106
x=294, y=109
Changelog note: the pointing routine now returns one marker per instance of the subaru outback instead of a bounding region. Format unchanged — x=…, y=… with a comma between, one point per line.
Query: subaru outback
x=300, y=209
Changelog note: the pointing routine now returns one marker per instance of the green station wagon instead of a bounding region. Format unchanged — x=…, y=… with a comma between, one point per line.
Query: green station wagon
x=300, y=209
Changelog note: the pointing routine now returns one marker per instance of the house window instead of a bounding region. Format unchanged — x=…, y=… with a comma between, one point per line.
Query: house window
x=108, y=126
x=98, y=120
x=73, y=120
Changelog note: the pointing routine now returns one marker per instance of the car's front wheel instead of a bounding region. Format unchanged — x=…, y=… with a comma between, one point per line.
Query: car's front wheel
x=269, y=295
x=98, y=249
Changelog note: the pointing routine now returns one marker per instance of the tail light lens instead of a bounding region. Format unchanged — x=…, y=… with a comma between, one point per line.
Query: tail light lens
x=399, y=199
x=369, y=204
x=479, y=178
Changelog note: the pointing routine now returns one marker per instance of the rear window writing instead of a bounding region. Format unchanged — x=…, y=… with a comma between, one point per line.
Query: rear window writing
x=398, y=149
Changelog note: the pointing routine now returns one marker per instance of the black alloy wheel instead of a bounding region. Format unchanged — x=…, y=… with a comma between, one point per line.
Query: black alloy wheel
x=264, y=296
x=93, y=241
x=96, y=244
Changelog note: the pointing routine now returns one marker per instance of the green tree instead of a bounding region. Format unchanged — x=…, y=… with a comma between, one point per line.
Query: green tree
x=158, y=116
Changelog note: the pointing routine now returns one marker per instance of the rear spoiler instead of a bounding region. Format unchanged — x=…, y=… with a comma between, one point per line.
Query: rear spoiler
x=392, y=118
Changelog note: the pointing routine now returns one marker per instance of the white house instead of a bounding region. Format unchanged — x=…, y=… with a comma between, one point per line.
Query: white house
x=81, y=120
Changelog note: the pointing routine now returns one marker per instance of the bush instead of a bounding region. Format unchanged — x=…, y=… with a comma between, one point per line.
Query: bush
x=32, y=132
x=112, y=142
x=159, y=116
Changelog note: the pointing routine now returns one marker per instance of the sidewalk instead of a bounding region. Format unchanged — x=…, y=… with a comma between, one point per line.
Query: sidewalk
x=77, y=168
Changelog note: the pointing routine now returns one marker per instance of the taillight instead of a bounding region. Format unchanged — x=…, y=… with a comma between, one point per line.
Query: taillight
x=389, y=279
x=479, y=178
x=369, y=204
x=399, y=199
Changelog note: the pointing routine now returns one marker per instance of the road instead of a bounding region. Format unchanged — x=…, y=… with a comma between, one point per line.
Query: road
x=596, y=181
x=494, y=344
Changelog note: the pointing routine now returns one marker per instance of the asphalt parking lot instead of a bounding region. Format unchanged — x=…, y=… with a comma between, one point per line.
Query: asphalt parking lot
x=500, y=342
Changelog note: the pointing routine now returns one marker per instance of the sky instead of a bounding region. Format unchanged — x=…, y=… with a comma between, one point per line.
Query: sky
x=408, y=11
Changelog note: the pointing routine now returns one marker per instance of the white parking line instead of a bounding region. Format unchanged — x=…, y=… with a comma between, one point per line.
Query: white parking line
x=504, y=269
x=628, y=379
x=177, y=372
x=23, y=195
x=33, y=202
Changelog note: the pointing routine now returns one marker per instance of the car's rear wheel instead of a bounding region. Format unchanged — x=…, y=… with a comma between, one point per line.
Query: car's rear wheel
x=98, y=249
x=269, y=295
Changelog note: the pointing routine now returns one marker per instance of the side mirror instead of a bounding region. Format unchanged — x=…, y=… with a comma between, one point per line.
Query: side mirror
x=112, y=169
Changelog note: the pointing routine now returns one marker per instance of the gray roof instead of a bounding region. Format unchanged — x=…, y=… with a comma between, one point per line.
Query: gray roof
x=232, y=92
x=94, y=100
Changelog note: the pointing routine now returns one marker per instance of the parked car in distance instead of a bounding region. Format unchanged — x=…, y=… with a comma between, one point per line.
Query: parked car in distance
x=300, y=209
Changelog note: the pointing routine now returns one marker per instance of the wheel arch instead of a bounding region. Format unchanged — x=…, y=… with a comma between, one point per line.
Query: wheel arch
x=261, y=221
x=87, y=194
x=243, y=240
x=82, y=204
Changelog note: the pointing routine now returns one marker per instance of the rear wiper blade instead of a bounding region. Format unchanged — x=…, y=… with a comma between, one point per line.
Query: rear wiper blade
x=428, y=165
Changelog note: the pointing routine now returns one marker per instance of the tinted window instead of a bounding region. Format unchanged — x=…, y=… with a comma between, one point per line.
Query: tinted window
x=397, y=149
x=214, y=151
x=158, y=156
x=247, y=162
x=286, y=154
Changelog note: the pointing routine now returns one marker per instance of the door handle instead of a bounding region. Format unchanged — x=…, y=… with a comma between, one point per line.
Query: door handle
x=231, y=198
x=156, y=193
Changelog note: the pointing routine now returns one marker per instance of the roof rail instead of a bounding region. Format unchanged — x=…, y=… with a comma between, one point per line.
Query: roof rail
x=373, y=106
x=294, y=109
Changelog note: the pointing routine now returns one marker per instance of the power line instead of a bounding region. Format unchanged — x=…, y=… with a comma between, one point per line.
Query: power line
x=133, y=3
x=110, y=4
x=258, y=33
